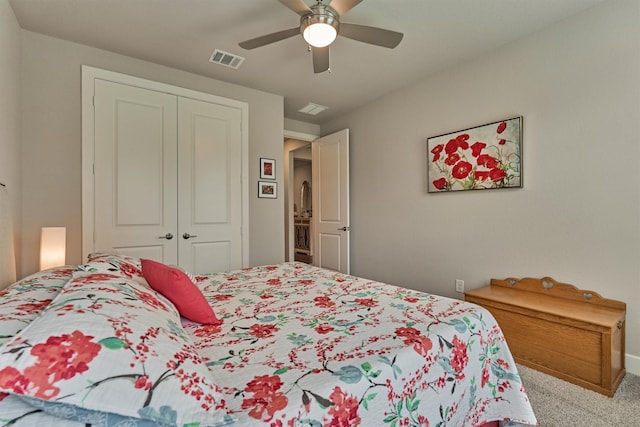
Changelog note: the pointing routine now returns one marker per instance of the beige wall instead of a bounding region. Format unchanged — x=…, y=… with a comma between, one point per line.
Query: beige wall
x=51, y=142
x=577, y=219
x=10, y=114
x=297, y=127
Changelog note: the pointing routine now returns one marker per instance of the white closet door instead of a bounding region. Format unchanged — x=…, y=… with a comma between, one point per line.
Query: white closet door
x=209, y=186
x=135, y=172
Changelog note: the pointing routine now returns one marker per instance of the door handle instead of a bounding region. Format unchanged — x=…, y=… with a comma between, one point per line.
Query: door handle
x=344, y=229
x=188, y=236
x=167, y=236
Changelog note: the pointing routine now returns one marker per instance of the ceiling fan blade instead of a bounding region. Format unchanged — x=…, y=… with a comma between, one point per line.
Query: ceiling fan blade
x=343, y=6
x=298, y=6
x=269, y=38
x=320, y=59
x=371, y=35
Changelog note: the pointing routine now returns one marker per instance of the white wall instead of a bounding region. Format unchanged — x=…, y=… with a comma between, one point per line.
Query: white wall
x=10, y=114
x=51, y=142
x=577, y=219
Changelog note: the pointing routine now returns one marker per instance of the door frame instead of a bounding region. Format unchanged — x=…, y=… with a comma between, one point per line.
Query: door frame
x=89, y=75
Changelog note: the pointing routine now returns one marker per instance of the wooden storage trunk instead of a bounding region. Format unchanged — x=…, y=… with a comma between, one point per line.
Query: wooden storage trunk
x=560, y=330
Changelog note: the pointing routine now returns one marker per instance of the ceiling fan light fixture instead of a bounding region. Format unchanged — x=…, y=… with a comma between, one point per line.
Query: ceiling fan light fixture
x=320, y=28
x=319, y=34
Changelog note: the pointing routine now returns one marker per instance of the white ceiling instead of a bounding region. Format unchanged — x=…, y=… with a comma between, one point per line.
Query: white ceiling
x=183, y=33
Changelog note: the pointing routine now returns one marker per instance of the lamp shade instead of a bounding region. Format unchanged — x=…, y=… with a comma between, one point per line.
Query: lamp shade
x=53, y=247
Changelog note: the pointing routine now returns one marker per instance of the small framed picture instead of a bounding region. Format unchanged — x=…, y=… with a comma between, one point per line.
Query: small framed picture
x=267, y=189
x=267, y=168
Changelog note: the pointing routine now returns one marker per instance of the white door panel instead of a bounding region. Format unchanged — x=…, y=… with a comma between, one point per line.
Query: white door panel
x=329, y=163
x=135, y=171
x=330, y=193
x=329, y=248
x=209, y=186
x=210, y=256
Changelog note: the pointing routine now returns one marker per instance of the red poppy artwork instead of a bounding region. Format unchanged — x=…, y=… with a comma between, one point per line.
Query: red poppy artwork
x=479, y=158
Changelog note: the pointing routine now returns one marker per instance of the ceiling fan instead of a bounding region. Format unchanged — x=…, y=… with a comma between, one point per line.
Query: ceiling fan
x=320, y=25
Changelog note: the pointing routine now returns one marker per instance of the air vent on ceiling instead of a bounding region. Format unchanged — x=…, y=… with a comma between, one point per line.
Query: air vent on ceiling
x=313, y=109
x=227, y=59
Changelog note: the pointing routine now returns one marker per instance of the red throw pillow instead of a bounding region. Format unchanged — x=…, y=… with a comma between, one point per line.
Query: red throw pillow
x=180, y=290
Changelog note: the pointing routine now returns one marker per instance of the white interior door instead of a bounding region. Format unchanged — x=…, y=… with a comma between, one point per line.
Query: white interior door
x=135, y=172
x=330, y=194
x=209, y=187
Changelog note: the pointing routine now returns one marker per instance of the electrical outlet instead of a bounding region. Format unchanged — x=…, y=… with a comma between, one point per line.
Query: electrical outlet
x=459, y=285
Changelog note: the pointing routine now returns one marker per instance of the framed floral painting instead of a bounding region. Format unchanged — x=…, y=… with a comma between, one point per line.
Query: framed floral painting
x=267, y=168
x=267, y=189
x=479, y=158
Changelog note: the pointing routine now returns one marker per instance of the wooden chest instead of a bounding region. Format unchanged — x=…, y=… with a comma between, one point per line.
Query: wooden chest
x=560, y=330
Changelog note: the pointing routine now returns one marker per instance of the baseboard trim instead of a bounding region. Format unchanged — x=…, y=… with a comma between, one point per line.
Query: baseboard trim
x=632, y=363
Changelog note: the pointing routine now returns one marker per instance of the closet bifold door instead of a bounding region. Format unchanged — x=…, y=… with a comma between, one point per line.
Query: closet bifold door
x=209, y=186
x=135, y=172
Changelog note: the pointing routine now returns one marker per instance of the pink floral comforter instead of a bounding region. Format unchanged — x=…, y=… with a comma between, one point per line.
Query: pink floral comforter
x=301, y=345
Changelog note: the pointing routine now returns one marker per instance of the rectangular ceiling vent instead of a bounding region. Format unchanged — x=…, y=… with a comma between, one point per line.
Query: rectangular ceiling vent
x=227, y=59
x=312, y=109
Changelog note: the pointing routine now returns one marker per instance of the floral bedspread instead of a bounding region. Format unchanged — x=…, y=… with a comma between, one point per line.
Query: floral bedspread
x=303, y=346
x=306, y=346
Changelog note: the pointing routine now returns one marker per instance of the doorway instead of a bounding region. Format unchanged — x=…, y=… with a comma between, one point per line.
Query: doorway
x=302, y=206
x=298, y=168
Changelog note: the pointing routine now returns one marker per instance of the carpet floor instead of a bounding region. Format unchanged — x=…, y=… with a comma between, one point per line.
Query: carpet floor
x=558, y=403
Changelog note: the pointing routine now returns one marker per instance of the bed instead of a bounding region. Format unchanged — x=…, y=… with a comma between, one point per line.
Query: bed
x=289, y=345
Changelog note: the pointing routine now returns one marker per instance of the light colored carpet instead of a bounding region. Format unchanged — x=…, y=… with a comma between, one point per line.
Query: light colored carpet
x=558, y=403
